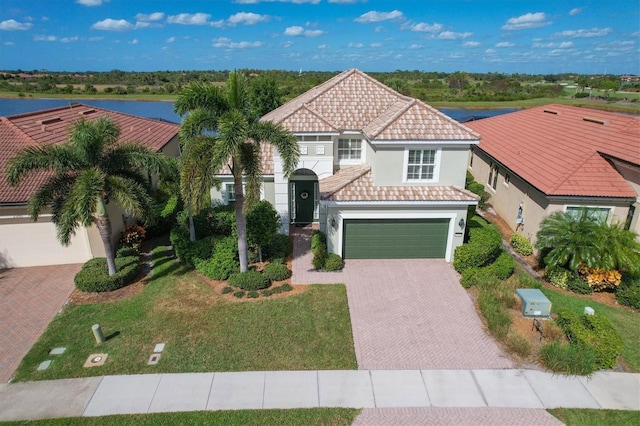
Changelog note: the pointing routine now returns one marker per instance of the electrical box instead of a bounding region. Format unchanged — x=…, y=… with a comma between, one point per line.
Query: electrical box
x=534, y=303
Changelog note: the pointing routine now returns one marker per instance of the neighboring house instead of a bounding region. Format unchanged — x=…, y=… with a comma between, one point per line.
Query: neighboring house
x=560, y=158
x=27, y=243
x=382, y=174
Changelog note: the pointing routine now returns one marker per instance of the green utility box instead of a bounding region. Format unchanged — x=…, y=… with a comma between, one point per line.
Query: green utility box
x=534, y=303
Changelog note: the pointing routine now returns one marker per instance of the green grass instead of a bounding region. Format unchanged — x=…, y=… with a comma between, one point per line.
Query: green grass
x=202, y=332
x=585, y=417
x=530, y=103
x=310, y=416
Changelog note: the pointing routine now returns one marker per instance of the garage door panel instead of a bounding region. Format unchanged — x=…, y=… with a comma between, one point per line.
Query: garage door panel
x=395, y=238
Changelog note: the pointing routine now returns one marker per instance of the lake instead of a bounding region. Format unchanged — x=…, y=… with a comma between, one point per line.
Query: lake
x=164, y=109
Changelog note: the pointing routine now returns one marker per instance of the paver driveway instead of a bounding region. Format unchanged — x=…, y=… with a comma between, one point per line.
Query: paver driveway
x=29, y=299
x=407, y=314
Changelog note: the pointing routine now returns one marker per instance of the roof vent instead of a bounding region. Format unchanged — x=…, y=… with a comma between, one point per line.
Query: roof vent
x=550, y=111
x=87, y=112
x=595, y=120
x=49, y=120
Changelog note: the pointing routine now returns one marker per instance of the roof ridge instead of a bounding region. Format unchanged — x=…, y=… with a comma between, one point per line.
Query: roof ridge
x=19, y=132
x=576, y=169
x=364, y=170
x=393, y=117
x=449, y=119
x=382, y=85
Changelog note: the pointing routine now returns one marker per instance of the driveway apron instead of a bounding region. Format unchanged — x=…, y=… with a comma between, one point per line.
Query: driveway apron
x=29, y=299
x=407, y=313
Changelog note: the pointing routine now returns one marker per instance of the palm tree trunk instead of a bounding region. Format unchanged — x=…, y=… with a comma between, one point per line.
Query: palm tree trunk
x=241, y=224
x=104, y=228
x=192, y=227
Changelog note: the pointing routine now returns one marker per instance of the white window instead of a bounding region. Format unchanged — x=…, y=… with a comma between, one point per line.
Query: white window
x=349, y=149
x=230, y=193
x=507, y=179
x=422, y=165
x=598, y=214
x=493, y=176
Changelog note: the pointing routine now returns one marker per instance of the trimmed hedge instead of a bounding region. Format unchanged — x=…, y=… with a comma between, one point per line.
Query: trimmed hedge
x=224, y=261
x=503, y=266
x=250, y=280
x=319, y=249
x=127, y=252
x=276, y=272
x=476, y=276
x=578, y=285
x=279, y=248
x=628, y=292
x=593, y=332
x=484, y=247
x=190, y=252
x=94, y=276
x=333, y=263
x=521, y=244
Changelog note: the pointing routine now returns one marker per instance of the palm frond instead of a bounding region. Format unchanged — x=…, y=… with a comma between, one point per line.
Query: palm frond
x=200, y=96
x=283, y=140
x=56, y=187
x=200, y=120
x=238, y=94
x=130, y=195
x=198, y=167
x=55, y=158
x=234, y=129
x=89, y=139
x=133, y=156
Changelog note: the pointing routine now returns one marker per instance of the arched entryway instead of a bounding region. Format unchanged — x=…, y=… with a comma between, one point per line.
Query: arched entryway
x=303, y=196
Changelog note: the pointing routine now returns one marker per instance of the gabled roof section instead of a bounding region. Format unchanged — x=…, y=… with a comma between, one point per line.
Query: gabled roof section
x=563, y=150
x=355, y=184
x=52, y=126
x=355, y=101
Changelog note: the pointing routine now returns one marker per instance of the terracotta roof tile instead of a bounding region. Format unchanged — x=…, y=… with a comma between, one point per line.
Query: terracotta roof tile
x=51, y=126
x=562, y=150
x=356, y=184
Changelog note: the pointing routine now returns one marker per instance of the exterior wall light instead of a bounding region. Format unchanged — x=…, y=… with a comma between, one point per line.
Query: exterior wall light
x=461, y=223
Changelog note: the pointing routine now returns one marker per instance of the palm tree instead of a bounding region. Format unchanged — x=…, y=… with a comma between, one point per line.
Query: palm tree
x=621, y=248
x=84, y=173
x=220, y=131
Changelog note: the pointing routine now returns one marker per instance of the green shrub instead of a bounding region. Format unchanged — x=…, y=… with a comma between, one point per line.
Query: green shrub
x=250, y=280
x=222, y=220
x=594, y=332
x=319, y=258
x=478, y=189
x=503, y=266
x=277, y=290
x=483, y=247
x=578, y=285
x=253, y=294
x=567, y=359
x=94, y=276
x=521, y=244
x=127, y=252
x=239, y=294
x=227, y=290
x=276, y=272
x=190, y=252
x=224, y=261
x=476, y=276
x=628, y=292
x=498, y=319
x=286, y=287
x=317, y=239
x=280, y=247
x=333, y=263
x=518, y=344
x=557, y=276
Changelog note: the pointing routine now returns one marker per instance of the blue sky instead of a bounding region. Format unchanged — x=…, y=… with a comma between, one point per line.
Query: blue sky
x=509, y=36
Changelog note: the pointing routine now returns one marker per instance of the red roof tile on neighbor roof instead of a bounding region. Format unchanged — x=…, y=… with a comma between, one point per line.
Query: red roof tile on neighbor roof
x=51, y=126
x=354, y=101
x=562, y=150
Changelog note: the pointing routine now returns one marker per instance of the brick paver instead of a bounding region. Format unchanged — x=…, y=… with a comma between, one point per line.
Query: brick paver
x=29, y=299
x=407, y=314
x=455, y=416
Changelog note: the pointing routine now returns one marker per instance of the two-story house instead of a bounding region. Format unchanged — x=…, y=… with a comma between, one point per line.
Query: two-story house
x=382, y=174
x=27, y=243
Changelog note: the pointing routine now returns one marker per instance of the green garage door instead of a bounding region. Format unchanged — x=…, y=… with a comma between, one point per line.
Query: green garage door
x=395, y=238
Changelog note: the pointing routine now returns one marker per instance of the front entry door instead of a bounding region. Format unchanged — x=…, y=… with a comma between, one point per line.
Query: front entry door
x=303, y=200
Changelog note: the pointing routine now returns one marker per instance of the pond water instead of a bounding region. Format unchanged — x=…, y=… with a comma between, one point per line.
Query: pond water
x=164, y=109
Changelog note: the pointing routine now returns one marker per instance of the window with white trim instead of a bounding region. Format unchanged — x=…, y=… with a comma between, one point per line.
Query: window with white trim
x=230, y=193
x=507, y=179
x=421, y=164
x=349, y=149
x=598, y=214
x=493, y=176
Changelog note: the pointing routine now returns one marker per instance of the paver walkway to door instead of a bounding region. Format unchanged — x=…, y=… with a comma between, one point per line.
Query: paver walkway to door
x=29, y=299
x=406, y=314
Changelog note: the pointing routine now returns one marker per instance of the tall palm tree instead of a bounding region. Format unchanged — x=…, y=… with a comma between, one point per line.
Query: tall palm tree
x=219, y=131
x=85, y=172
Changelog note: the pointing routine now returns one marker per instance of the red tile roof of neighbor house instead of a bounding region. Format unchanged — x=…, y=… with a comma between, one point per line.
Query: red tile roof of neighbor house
x=354, y=101
x=562, y=150
x=52, y=126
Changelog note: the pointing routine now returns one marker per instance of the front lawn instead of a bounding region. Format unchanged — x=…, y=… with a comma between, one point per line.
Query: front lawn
x=585, y=417
x=202, y=332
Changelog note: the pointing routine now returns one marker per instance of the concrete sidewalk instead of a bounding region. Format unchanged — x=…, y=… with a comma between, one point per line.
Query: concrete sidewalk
x=375, y=389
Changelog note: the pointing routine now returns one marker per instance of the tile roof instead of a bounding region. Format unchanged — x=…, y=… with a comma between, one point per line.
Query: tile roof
x=562, y=150
x=51, y=126
x=355, y=101
x=356, y=184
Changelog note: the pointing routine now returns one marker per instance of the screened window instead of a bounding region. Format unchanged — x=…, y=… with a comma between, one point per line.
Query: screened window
x=421, y=164
x=598, y=214
x=231, y=195
x=349, y=149
x=493, y=176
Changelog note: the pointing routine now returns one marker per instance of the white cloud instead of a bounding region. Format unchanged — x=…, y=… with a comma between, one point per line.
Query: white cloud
x=450, y=35
x=376, y=45
x=287, y=44
x=45, y=38
x=374, y=16
x=526, y=21
x=584, y=33
x=356, y=45
x=190, y=19
x=12, y=25
x=245, y=18
x=91, y=2
x=170, y=40
x=279, y=1
x=505, y=44
x=346, y=1
x=156, y=16
x=298, y=31
x=575, y=11
x=69, y=39
x=113, y=25
x=415, y=46
x=426, y=28
x=322, y=46
x=95, y=38
x=490, y=51
x=563, y=45
x=9, y=43
x=224, y=42
x=470, y=44
x=134, y=41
